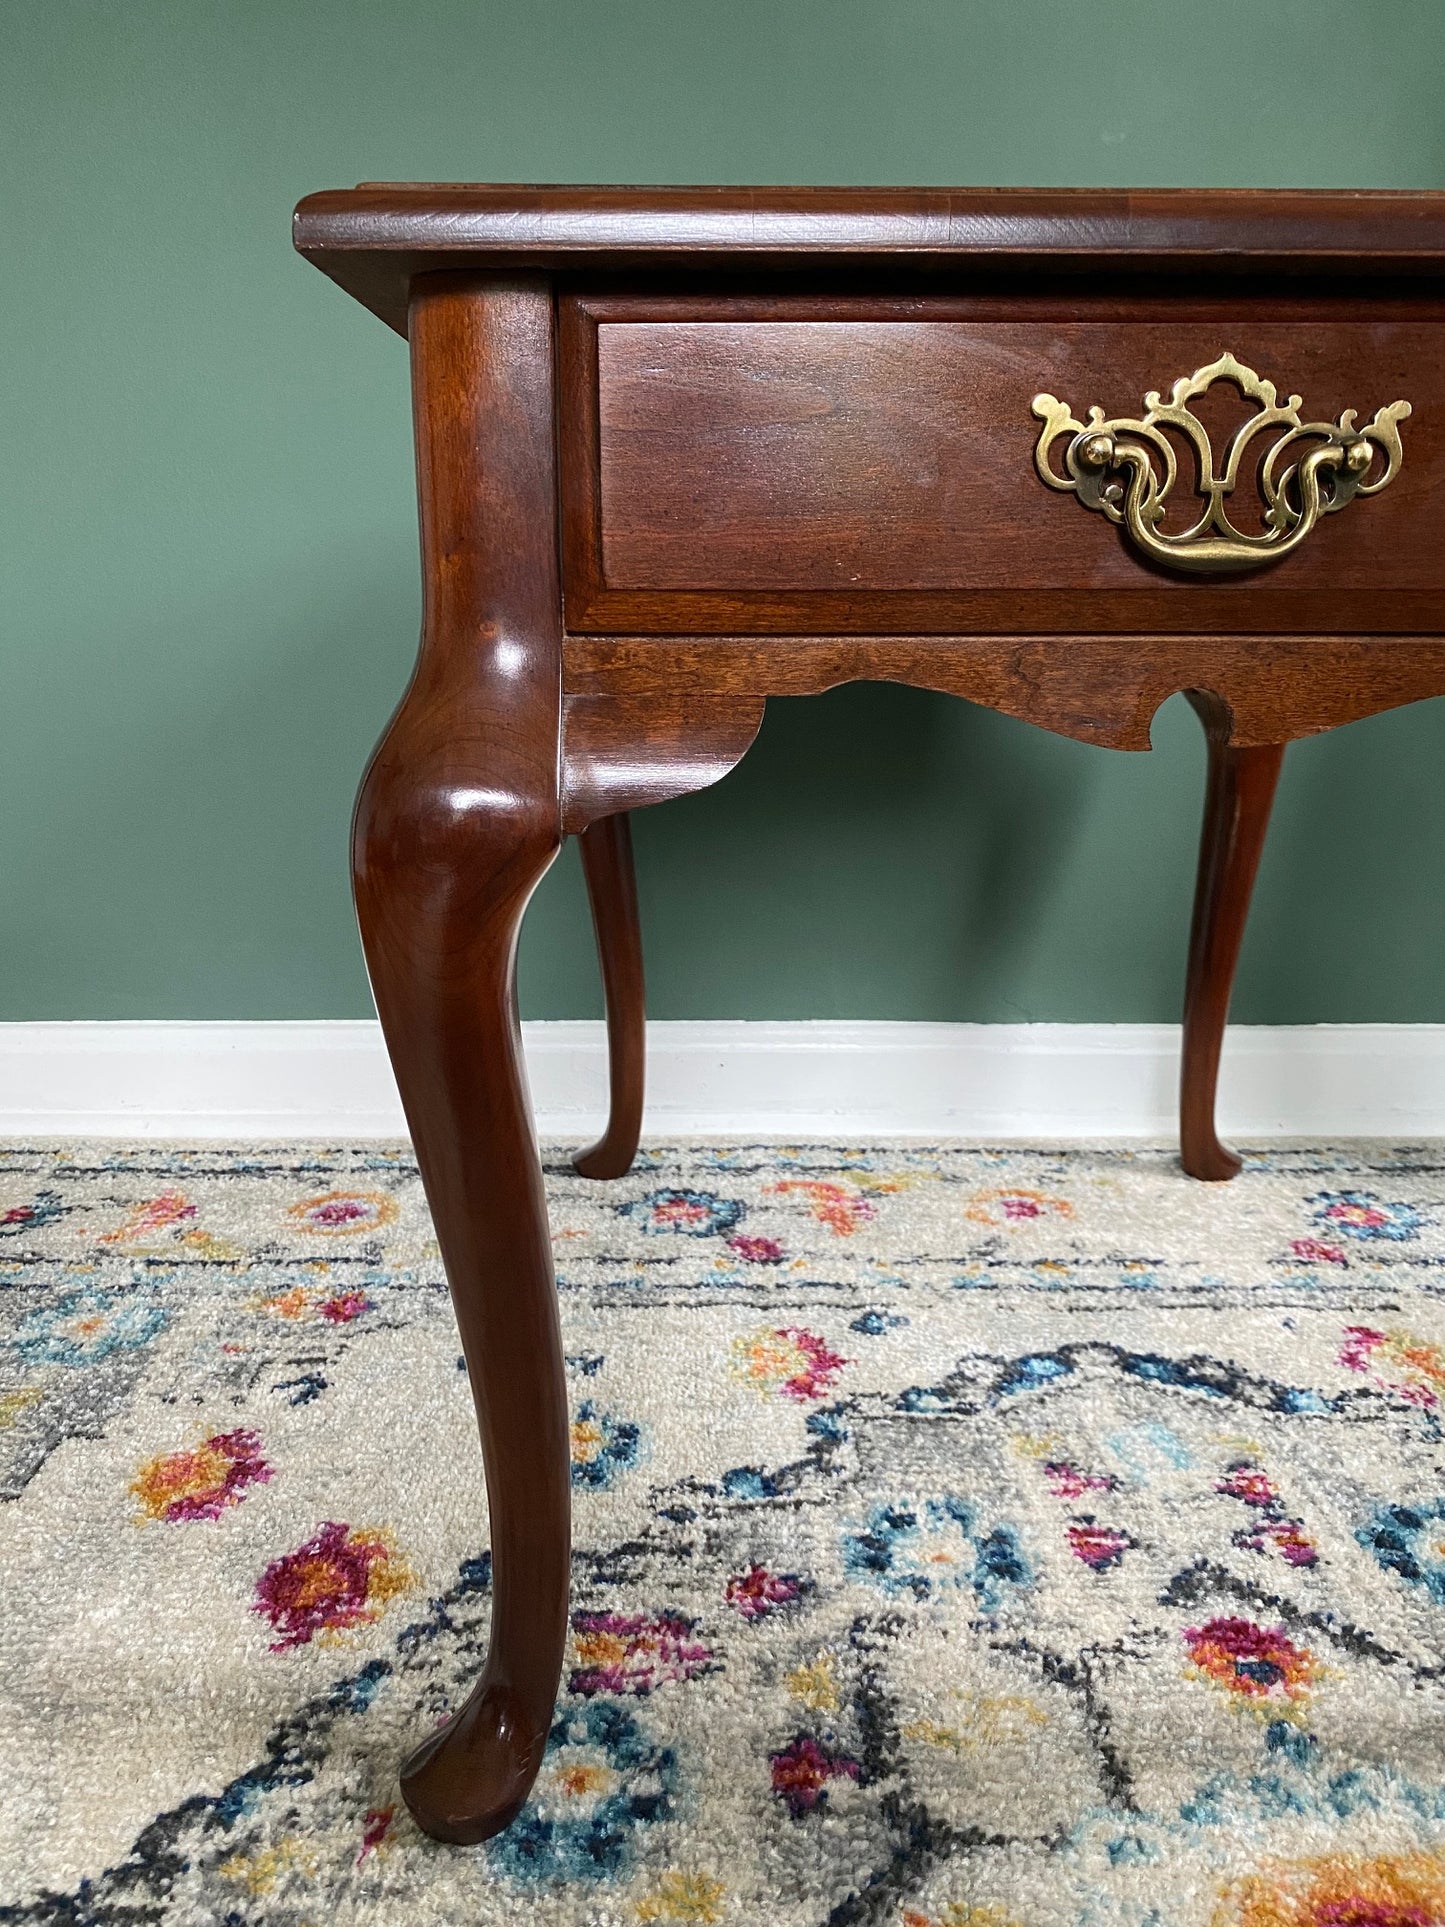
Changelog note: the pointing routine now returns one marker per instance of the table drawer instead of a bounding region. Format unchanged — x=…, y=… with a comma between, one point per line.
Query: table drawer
x=807, y=467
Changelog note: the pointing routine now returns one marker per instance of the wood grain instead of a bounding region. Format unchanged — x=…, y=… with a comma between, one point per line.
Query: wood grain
x=1097, y=689
x=788, y=475
x=459, y=816
x=376, y=238
x=1238, y=798
x=621, y=751
x=611, y=875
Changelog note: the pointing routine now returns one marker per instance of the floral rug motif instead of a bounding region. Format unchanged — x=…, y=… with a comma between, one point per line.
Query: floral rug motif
x=963, y=1538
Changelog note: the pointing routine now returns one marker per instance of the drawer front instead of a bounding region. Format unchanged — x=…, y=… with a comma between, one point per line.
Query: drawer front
x=729, y=471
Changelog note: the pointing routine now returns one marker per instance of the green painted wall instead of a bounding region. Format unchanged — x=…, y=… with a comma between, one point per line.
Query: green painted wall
x=209, y=598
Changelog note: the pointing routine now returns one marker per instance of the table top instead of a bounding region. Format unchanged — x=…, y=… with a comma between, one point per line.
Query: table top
x=374, y=238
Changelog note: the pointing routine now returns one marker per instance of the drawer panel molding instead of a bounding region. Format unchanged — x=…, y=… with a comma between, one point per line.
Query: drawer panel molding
x=765, y=470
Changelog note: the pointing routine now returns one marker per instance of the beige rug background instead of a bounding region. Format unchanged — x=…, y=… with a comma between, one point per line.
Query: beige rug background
x=964, y=1537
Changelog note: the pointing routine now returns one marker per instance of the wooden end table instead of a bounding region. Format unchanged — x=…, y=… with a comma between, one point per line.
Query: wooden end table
x=683, y=449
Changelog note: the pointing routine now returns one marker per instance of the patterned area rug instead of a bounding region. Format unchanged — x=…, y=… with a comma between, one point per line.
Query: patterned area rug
x=964, y=1538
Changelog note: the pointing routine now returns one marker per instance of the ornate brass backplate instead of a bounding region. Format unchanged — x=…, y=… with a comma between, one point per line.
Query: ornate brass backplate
x=1126, y=468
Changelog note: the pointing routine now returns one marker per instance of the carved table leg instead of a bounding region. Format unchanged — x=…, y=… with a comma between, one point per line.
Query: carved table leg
x=458, y=817
x=612, y=892
x=1238, y=796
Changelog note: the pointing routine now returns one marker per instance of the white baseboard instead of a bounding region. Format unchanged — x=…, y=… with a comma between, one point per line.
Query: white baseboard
x=995, y=1081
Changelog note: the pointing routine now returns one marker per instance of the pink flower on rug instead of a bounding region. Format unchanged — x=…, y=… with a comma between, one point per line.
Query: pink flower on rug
x=1258, y=1663
x=345, y=1307
x=789, y=1360
x=1271, y=1530
x=201, y=1481
x=1360, y=1214
x=634, y=1652
x=1403, y=1362
x=802, y=1770
x=1249, y=1485
x=301, y=1303
x=339, y=1579
x=1315, y=1252
x=1100, y=1547
x=155, y=1214
x=1066, y=1481
x=374, y=1829
x=757, y=1592
x=838, y=1206
x=756, y=1251
x=1287, y=1537
x=339, y=1214
x=1013, y=1204
x=1359, y=1346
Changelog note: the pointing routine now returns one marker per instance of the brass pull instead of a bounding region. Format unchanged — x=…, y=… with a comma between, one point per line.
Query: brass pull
x=1127, y=467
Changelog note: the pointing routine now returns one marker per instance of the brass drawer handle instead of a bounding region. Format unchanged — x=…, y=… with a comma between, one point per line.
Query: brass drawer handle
x=1127, y=467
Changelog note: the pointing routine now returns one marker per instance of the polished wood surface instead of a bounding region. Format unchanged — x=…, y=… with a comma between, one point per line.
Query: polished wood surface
x=815, y=474
x=612, y=893
x=680, y=450
x=1097, y=689
x=375, y=239
x=1238, y=797
x=459, y=816
x=621, y=750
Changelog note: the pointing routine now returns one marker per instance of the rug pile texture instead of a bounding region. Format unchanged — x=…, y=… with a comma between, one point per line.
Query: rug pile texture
x=963, y=1538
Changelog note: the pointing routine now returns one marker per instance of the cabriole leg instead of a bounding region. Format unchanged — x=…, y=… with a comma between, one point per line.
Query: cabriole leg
x=458, y=817
x=612, y=892
x=1240, y=790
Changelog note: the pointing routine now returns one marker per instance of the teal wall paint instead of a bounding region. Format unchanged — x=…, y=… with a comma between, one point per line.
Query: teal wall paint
x=209, y=578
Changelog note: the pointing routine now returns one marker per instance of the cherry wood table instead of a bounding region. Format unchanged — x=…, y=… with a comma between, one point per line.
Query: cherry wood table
x=682, y=449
